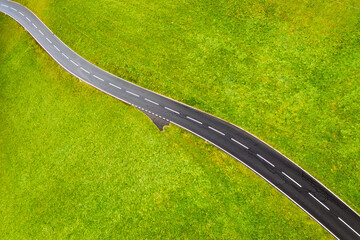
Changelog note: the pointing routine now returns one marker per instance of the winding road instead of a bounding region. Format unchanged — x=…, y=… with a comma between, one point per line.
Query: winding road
x=295, y=183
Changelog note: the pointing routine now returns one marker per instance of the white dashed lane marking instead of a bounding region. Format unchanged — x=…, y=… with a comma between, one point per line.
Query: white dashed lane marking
x=172, y=110
x=114, y=86
x=194, y=120
x=48, y=40
x=56, y=48
x=65, y=55
x=319, y=201
x=28, y=19
x=34, y=25
x=239, y=143
x=349, y=226
x=74, y=63
x=13, y=9
x=267, y=161
x=41, y=32
x=99, y=78
x=134, y=94
x=151, y=101
x=149, y=111
x=214, y=129
x=4, y=5
x=291, y=179
x=84, y=70
x=21, y=14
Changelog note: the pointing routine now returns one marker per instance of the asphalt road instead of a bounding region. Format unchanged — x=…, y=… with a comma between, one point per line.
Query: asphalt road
x=299, y=186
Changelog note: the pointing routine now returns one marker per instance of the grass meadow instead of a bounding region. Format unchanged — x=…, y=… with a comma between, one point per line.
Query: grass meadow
x=76, y=163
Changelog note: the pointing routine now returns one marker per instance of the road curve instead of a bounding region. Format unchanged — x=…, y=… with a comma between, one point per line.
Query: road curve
x=295, y=183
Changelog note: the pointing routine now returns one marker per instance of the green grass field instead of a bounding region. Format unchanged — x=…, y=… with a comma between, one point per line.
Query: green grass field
x=76, y=163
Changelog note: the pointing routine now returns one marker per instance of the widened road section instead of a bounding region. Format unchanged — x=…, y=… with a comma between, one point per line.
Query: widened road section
x=287, y=177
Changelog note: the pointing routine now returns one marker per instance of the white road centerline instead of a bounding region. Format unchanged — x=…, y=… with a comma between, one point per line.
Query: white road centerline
x=34, y=25
x=74, y=63
x=172, y=110
x=21, y=14
x=319, y=201
x=4, y=5
x=192, y=119
x=56, y=48
x=239, y=143
x=151, y=101
x=84, y=70
x=265, y=160
x=134, y=94
x=65, y=55
x=13, y=9
x=214, y=129
x=349, y=226
x=291, y=179
x=48, y=40
x=41, y=32
x=28, y=19
x=115, y=86
x=99, y=78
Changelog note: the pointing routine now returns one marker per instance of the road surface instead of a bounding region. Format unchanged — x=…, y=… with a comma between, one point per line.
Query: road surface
x=295, y=183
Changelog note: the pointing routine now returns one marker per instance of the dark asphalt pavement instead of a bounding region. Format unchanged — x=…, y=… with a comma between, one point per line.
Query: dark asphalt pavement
x=287, y=177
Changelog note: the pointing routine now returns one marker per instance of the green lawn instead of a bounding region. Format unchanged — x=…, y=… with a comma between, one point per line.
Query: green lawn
x=76, y=163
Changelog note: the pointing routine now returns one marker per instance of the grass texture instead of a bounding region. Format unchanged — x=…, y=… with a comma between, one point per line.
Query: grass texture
x=76, y=163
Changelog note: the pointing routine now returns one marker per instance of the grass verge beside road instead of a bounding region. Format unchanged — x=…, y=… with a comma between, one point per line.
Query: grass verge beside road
x=77, y=163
